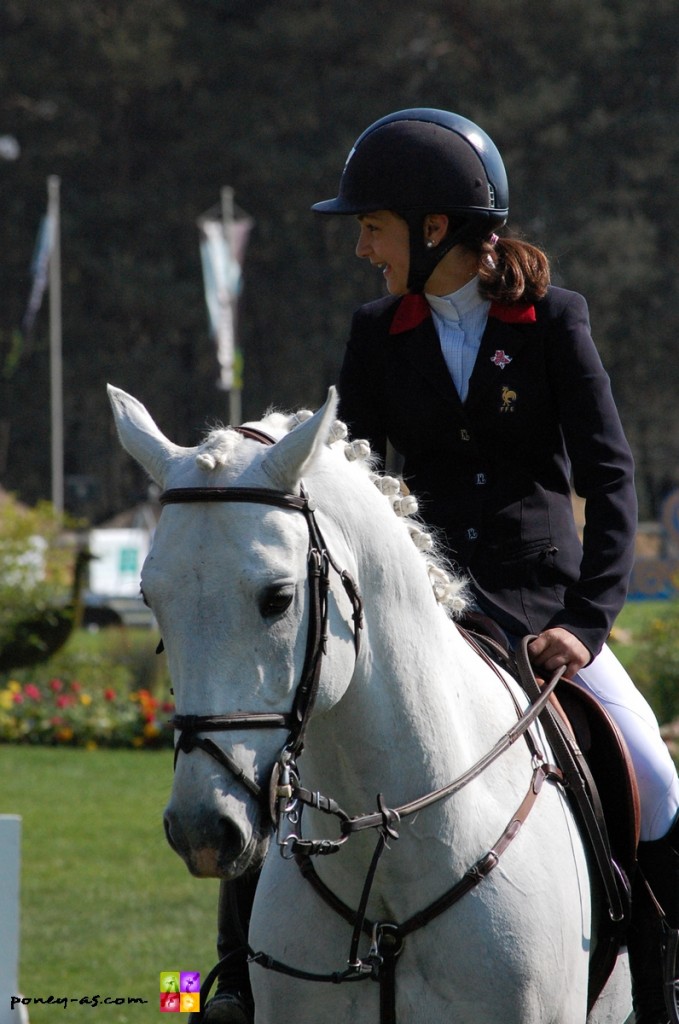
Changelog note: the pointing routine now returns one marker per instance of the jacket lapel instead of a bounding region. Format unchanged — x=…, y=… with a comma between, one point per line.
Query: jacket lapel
x=418, y=350
x=503, y=339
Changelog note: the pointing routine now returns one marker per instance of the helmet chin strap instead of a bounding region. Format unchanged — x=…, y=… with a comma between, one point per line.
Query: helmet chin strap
x=423, y=258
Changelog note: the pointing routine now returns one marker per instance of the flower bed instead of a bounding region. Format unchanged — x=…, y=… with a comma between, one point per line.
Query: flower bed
x=68, y=713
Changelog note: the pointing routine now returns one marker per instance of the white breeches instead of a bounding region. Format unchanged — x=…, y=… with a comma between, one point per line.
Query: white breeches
x=606, y=679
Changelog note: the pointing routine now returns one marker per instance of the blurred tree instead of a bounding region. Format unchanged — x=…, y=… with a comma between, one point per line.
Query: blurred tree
x=146, y=110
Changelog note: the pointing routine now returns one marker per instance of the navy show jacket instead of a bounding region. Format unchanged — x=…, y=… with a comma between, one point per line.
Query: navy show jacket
x=493, y=474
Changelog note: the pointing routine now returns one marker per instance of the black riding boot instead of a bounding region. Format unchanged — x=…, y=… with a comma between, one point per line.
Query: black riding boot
x=232, y=1003
x=647, y=938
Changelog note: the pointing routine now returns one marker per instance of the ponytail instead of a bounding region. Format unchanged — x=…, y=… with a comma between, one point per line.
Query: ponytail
x=511, y=271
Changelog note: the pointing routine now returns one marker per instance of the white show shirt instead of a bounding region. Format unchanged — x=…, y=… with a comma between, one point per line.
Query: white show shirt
x=460, y=320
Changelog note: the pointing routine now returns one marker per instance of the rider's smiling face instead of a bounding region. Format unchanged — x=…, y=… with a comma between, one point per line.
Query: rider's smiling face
x=384, y=240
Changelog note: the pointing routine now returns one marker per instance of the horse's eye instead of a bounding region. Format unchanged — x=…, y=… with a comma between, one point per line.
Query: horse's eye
x=275, y=601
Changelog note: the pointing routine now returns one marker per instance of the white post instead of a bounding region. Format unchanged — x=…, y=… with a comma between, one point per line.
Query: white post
x=10, y=847
x=56, y=385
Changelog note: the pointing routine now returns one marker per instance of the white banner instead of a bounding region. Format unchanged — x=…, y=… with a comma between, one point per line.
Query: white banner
x=222, y=255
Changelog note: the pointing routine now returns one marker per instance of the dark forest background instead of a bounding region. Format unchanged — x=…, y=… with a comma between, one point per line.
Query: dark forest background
x=146, y=108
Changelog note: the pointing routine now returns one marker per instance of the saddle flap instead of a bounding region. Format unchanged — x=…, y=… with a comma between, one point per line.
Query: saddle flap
x=607, y=756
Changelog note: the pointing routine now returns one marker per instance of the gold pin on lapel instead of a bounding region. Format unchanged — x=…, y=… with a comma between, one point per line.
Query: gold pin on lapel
x=508, y=400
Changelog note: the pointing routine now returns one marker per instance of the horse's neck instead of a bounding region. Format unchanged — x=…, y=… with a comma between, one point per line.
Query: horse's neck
x=413, y=703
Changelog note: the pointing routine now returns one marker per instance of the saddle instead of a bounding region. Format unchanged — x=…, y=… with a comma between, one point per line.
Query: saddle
x=584, y=738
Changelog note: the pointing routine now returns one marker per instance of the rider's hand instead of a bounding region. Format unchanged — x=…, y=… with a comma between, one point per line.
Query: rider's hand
x=557, y=647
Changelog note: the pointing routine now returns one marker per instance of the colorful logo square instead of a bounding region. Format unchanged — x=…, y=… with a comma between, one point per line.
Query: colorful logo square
x=170, y=1002
x=189, y=981
x=189, y=1002
x=169, y=981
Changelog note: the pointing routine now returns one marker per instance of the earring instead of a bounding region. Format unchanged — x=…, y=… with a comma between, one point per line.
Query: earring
x=430, y=244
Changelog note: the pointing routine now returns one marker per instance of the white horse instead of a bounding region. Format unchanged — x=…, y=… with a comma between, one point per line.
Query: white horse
x=403, y=713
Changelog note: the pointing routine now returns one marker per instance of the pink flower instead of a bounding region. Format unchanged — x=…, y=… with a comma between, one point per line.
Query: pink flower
x=65, y=700
x=76, y=687
x=32, y=691
x=18, y=698
x=56, y=685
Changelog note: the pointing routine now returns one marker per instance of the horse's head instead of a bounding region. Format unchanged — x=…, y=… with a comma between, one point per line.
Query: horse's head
x=230, y=584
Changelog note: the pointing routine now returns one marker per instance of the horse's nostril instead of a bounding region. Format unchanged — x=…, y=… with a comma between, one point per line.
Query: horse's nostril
x=171, y=830
x=233, y=840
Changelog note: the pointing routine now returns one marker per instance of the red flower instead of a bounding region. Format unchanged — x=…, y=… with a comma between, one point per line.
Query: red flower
x=56, y=685
x=32, y=691
x=109, y=694
x=76, y=687
x=18, y=698
x=65, y=700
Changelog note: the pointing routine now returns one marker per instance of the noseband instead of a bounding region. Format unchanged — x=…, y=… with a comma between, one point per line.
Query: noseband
x=319, y=563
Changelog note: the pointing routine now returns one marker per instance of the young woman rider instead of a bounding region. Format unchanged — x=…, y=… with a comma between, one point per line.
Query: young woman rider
x=486, y=380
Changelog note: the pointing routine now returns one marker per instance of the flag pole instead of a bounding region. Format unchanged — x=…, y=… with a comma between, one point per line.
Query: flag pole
x=228, y=216
x=56, y=381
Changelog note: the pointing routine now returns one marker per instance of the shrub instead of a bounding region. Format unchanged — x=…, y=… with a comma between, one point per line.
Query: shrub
x=36, y=567
x=654, y=666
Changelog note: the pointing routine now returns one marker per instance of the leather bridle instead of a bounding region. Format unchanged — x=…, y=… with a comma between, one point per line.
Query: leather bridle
x=319, y=563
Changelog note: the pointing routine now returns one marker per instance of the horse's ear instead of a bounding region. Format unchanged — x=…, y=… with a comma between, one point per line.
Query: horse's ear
x=140, y=436
x=291, y=457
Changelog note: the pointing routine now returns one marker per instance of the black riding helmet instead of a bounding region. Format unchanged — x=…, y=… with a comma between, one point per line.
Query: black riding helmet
x=421, y=161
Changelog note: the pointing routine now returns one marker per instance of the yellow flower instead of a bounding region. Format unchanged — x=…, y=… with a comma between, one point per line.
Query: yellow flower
x=14, y=687
x=6, y=699
x=85, y=699
x=151, y=730
x=91, y=745
x=64, y=735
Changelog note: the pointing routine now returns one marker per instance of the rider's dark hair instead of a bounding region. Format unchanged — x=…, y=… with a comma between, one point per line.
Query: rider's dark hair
x=511, y=270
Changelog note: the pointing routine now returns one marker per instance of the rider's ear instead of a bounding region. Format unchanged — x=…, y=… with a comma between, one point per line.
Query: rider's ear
x=286, y=462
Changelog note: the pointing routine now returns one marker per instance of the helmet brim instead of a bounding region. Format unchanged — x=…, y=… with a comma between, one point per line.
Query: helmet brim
x=342, y=206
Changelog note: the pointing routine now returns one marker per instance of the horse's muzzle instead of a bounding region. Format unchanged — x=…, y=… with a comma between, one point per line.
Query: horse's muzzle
x=222, y=851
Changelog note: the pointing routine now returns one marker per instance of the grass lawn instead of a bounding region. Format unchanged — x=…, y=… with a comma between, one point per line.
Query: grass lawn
x=634, y=618
x=105, y=903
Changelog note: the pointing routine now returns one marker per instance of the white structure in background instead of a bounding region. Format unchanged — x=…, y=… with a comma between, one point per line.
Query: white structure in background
x=10, y=859
x=114, y=574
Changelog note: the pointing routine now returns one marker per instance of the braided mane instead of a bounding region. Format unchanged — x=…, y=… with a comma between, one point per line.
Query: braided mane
x=451, y=591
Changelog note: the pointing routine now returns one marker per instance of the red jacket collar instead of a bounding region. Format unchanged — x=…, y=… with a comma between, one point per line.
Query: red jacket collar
x=413, y=309
x=523, y=313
